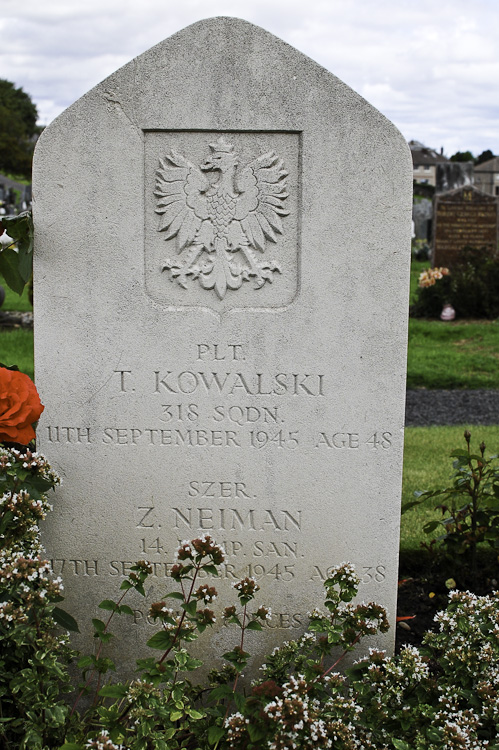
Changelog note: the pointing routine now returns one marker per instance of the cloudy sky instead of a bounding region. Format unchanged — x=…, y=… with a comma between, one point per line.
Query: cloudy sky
x=431, y=66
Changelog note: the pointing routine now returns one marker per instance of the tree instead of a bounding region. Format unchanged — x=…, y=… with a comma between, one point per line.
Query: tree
x=462, y=156
x=18, y=116
x=484, y=156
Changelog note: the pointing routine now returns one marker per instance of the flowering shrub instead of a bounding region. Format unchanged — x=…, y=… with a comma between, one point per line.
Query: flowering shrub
x=472, y=287
x=444, y=696
x=469, y=511
x=430, y=276
x=434, y=290
x=32, y=655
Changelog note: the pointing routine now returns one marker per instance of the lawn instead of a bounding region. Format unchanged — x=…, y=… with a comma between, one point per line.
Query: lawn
x=16, y=345
x=16, y=348
x=428, y=466
x=459, y=354
x=13, y=301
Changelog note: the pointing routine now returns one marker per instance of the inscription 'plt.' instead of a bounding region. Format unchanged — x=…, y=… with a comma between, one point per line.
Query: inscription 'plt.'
x=219, y=225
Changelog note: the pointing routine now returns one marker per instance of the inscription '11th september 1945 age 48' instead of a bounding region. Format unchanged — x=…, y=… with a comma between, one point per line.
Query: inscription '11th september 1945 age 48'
x=184, y=421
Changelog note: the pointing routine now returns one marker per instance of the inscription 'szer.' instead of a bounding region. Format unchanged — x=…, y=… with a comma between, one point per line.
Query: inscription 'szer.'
x=220, y=224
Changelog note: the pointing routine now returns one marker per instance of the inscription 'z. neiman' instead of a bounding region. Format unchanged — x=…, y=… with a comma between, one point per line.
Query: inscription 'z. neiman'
x=219, y=225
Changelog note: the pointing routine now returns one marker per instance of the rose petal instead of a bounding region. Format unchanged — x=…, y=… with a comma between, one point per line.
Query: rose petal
x=20, y=406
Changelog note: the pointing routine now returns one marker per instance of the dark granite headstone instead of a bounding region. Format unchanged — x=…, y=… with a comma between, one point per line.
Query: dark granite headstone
x=422, y=214
x=461, y=218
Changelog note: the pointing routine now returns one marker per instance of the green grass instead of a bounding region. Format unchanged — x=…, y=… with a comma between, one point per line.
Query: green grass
x=428, y=466
x=16, y=345
x=457, y=354
x=16, y=348
x=453, y=355
x=13, y=301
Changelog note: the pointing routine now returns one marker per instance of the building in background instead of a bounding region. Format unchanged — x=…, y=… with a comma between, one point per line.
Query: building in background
x=424, y=162
x=432, y=168
x=487, y=176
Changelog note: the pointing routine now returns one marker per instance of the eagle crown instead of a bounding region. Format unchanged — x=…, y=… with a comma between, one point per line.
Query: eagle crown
x=222, y=159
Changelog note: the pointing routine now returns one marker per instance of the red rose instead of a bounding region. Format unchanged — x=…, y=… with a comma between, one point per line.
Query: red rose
x=20, y=406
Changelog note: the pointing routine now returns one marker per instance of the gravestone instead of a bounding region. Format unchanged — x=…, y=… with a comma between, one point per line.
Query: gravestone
x=422, y=213
x=221, y=288
x=463, y=217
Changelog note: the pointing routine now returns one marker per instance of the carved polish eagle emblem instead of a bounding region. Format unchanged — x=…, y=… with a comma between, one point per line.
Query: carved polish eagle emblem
x=223, y=225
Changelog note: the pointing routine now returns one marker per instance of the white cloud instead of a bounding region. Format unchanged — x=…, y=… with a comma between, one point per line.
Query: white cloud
x=430, y=67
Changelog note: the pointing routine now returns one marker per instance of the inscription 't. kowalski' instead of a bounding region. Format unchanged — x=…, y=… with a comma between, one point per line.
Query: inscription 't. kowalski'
x=220, y=224
x=230, y=384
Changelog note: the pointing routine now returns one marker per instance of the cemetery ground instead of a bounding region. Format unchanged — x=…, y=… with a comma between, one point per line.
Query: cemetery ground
x=457, y=355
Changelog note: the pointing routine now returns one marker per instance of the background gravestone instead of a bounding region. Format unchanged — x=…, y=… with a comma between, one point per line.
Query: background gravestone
x=221, y=289
x=463, y=217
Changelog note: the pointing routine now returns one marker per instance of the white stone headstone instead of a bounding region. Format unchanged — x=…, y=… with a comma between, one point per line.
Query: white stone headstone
x=221, y=288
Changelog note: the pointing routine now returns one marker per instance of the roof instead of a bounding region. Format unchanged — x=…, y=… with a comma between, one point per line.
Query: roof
x=423, y=155
x=492, y=165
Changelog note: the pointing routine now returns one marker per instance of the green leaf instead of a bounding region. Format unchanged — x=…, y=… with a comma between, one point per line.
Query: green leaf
x=195, y=714
x=99, y=626
x=431, y=526
x=125, y=610
x=253, y=625
x=160, y=641
x=411, y=504
x=459, y=454
x=65, y=620
x=240, y=701
x=25, y=265
x=20, y=228
x=108, y=604
x=190, y=607
x=140, y=588
x=401, y=745
x=86, y=661
x=210, y=569
x=215, y=734
x=255, y=733
x=113, y=691
x=6, y=520
x=9, y=268
x=176, y=715
x=104, y=664
x=175, y=595
x=433, y=734
x=223, y=691
x=71, y=746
